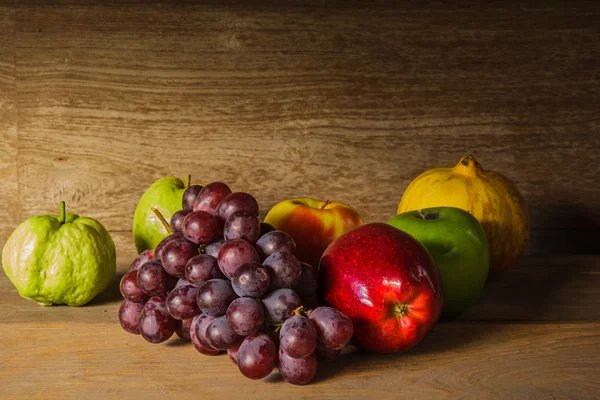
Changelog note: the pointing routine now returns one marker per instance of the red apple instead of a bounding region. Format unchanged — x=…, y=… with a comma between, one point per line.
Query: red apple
x=313, y=224
x=386, y=282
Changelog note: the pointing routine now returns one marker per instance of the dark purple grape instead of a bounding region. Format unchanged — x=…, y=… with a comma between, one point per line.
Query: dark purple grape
x=297, y=371
x=129, y=316
x=334, y=329
x=251, y=279
x=202, y=268
x=245, y=316
x=280, y=305
x=177, y=220
x=142, y=259
x=175, y=255
x=309, y=281
x=130, y=289
x=214, y=296
x=212, y=249
x=298, y=337
x=285, y=270
x=233, y=254
x=275, y=242
x=242, y=225
x=183, y=328
x=210, y=196
x=220, y=335
x=326, y=354
x=189, y=197
x=163, y=243
x=235, y=202
x=233, y=352
x=198, y=328
x=153, y=280
x=183, y=282
x=200, y=227
x=156, y=325
x=257, y=356
x=266, y=228
x=181, y=302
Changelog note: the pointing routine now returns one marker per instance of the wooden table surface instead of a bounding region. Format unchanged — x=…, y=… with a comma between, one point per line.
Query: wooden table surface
x=344, y=101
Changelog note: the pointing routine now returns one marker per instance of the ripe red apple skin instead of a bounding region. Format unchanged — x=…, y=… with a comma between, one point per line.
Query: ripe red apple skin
x=386, y=282
x=313, y=224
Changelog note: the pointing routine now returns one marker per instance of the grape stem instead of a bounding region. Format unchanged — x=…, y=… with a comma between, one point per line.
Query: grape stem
x=63, y=213
x=187, y=181
x=162, y=220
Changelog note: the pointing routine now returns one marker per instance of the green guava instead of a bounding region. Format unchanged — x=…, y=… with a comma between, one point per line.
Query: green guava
x=165, y=195
x=63, y=259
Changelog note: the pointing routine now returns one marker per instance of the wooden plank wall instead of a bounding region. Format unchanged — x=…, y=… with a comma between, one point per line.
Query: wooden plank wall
x=347, y=103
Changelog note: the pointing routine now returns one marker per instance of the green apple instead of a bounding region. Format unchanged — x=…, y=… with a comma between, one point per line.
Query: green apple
x=165, y=195
x=459, y=247
x=63, y=259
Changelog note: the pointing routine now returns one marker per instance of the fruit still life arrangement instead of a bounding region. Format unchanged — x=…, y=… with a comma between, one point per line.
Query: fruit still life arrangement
x=296, y=289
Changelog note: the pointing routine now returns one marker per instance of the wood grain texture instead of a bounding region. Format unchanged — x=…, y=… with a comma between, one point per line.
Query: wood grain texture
x=492, y=361
x=348, y=103
x=9, y=206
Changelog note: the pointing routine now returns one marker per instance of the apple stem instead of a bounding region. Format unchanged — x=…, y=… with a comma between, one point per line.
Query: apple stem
x=430, y=215
x=63, y=213
x=187, y=181
x=162, y=220
x=326, y=204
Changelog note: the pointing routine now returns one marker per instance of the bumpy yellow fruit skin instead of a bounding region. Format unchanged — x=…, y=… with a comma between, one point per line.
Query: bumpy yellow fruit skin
x=490, y=197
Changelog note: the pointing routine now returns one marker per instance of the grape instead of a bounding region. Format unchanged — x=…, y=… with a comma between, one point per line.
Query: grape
x=309, y=281
x=142, y=259
x=162, y=243
x=214, y=296
x=220, y=335
x=334, y=329
x=256, y=356
x=210, y=196
x=285, y=270
x=275, y=242
x=233, y=352
x=183, y=328
x=201, y=268
x=234, y=202
x=177, y=220
x=245, y=316
x=198, y=327
x=153, y=280
x=183, y=282
x=189, y=197
x=280, y=305
x=326, y=354
x=266, y=228
x=130, y=290
x=251, y=279
x=212, y=249
x=233, y=254
x=298, y=337
x=175, y=255
x=200, y=227
x=297, y=371
x=181, y=302
x=129, y=316
x=242, y=224
x=156, y=325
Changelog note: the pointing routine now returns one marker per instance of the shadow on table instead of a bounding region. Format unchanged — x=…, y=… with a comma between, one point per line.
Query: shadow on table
x=111, y=294
x=444, y=338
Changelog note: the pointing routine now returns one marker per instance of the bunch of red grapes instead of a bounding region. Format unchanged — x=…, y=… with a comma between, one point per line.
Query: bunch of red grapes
x=230, y=283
